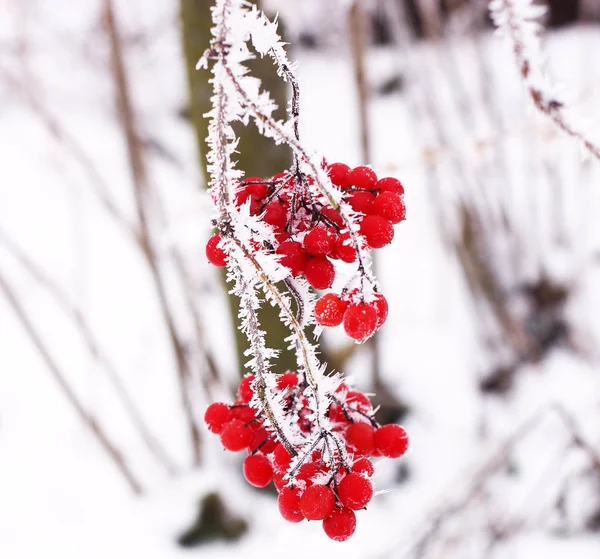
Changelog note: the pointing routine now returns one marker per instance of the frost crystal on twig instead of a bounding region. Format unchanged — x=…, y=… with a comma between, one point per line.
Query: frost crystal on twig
x=517, y=20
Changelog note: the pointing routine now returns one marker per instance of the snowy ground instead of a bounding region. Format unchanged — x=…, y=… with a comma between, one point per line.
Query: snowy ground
x=58, y=492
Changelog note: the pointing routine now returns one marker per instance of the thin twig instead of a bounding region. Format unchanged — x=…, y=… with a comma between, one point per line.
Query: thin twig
x=107, y=445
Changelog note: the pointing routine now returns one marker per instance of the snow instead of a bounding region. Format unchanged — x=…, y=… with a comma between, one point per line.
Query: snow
x=59, y=494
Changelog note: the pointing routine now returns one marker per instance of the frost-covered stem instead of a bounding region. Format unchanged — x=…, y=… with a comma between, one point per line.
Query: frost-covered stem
x=512, y=17
x=303, y=155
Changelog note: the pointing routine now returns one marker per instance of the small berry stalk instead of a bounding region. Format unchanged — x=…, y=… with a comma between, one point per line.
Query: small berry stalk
x=278, y=238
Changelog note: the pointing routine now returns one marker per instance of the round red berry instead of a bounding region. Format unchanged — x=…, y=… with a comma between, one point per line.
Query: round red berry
x=317, y=502
x=344, y=250
x=362, y=201
x=275, y=214
x=332, y=215
x=361, y=436
x=235, y=436
x=362, y=177
x=319, y=272
x=381, y=305
x=390, y=184
x=262, y=440
x=216, y=256
x=338, y=173
x=358, y=400
x=319, y=241
x=287, y=380
x=289, y=505
x=340, y=525
x=293, y=256
x=281, y=458
x=391, y=440
x=360, y=321
x=355, y=491
x=363, y=466
x=257, y=189
x=390, y=206
x=257, y=470
x=329, y=310
x=216, y=416
x=377, y=230
x=245, y=392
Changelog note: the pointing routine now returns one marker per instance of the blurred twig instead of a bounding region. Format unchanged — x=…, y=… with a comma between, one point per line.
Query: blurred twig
x=93, y=347
x=108, y=446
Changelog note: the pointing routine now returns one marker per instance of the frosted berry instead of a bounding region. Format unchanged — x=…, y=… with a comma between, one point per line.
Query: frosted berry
x=391, y=440
x=262, y=440
x=360, y=321
x=332, y=215
x=362, y=201
x=338, y=173
x=275, y=214
x=362, y=177
x=363, y=466
x=244, y=412
x=215, y=255
x=377, y=230
x=293, y=256
x=390, y=184
x=256, y=189
x=361, y=437
x=344, y=249
x=289, y=505
x=245, y=392
x=329, y=310
x=355, y=491
x=257, y=470
x=216, y=416
x=287, y=380
x=319, y=241
x=340, y=525
x=235, y=436
x=281, y=458
x=317, y=502
x=390, y=206
x=381, y=305
x=319, y=272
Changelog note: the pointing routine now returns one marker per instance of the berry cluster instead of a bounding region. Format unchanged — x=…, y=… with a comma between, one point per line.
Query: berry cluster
x=310, y=235
x=330, y=480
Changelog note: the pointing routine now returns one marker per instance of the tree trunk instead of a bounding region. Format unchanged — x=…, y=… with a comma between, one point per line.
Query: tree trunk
x=258, y=156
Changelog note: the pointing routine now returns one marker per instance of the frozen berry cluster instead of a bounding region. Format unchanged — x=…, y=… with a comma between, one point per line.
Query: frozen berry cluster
x=311, y=234
x=332, y=479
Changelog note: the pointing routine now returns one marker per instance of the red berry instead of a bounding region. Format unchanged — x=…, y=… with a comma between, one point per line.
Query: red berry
x=391, y=440
x=361, y=437
x=362, y=202
x=390, y=184
x=281, y=458
x=319, y=272
x=329, y=310
x=287, y=380
x=381, y=305
x=243, y=412
x=293, y=256
x=355, y=491
x=362, y=177
x=275, y=214
x=390, y=206
x=333, y=215
x=360, y=321
x=289, y=505
x=307, y=472
x=258, y=190
x=377, y=230
x=257, y=470
x=338, y=173
x=216, y=416
x=245, y=392
x=358, y=400
x=317, y=502
x=216, y=256
x=340, y=525
x=363, y=466
x=262, y=440
x=278, y=480
x=319, y=241
x=235, y=435
x=344, y=249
